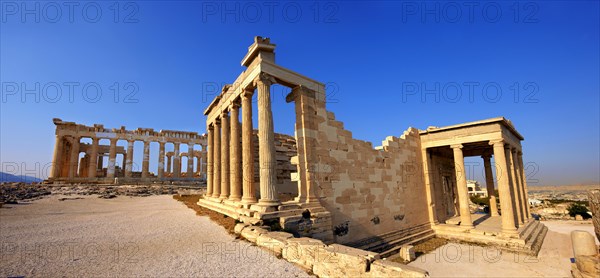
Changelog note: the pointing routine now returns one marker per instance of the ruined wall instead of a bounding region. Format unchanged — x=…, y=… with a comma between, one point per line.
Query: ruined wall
x=594, y=198
x=368, y=191
x=285, y=147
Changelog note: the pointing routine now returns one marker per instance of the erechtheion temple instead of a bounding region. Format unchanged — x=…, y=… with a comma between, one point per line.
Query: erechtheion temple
x=68, y=165
x=347, y=191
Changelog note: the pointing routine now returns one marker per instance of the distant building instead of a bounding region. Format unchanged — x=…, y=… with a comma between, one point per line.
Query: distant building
x=475, y=190
x=534, y=202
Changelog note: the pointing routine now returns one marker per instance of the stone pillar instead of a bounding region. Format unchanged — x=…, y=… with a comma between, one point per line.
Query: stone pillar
x=235, y=165
x=129, y=161
x=100, y=161
x=217, y=160
x=190, y=161
x=161, y=160
x=489, y=181
x=461, y=184
x=224, y=155
x=508, y=220
x=169, y=163
x=513, y=186
x=112, y=155
x=247, y=152
x=82, y=166
x=93, y=160
x=521, y=174
x=57, y=157
x=176, y=161
x=146, y=161
x=209, y=172
x=266, y=143
x=517, y=185
x=74, y=158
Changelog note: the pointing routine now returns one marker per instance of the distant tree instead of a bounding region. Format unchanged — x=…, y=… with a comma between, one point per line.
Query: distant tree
x=577, y=209
x=479, y=200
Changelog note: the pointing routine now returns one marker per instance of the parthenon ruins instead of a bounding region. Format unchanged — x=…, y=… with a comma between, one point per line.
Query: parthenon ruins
x=68, y=166
x=409, y=189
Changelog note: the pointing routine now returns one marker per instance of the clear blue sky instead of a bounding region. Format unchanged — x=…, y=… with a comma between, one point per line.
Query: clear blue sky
x=377, y=57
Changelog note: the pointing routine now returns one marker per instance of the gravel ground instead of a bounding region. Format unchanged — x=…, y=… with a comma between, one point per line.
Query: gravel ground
x=127, y=236
x=459, y=260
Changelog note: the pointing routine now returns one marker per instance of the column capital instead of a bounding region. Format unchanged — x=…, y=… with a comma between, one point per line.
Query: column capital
x=113, y=140
x=247, y=93
x=265, y=79
x=161, y=143
x=456, y=146
x=514, y=150
x=234, y=104
x=497, y=142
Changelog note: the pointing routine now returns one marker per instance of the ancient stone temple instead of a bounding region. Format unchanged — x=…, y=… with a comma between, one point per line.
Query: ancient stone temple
x=409, y=189
x=77, y=162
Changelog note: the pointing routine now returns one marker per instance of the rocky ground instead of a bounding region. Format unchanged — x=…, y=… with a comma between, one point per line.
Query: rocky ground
x=13, y=193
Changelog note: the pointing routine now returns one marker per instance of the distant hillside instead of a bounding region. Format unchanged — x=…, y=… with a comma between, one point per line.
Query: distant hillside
x=6, y=177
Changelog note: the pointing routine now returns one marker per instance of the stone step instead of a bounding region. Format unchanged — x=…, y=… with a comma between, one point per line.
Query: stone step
x=365, y=244
x=530, y=225
x=533, y=231
x=401, y=241
x=396, y=248
x=534, y=245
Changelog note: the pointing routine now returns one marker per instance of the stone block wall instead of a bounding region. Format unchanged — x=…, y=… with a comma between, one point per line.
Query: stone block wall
x=285, y=147
x=369, y=191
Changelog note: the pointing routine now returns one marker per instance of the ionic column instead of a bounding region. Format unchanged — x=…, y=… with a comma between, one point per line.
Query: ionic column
x=74, y=157
x=235, y=166
x=100, y=161
x=161, y=160
x=112, y=155
x=513, y=186
x=247, y=152
x=217, y=160
x=82, y=166
x=146, y=161
x=209, y=172
x=266, y=142
x=508, y=220
x=176, y=161
x=129, y=161
x=489, y=181
x=517, y=177
x=190, y=163
x=524, y=183
x=224, y=155
x=57, y=157
x=461, y=184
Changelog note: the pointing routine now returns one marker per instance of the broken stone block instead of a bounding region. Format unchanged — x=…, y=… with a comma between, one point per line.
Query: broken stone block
x=239, y=227
x=303, y=251
x=274, y=241
x=342, y=261
x=383, y=268
x=252, y=233
x=407, y=253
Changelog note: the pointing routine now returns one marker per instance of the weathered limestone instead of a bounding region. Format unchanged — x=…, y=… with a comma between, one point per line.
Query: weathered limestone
x=217, y=160
x=508, y=220
x=190, y=161
x=266, y=145
x=74, y=157
x=594, y=199
x=247, y=153
x=224, y=156
x=209, y=180
x=235, y=175
x=161, y=160
x=112, y=155
x=461, y=183
x=585, y=252
x=176, y=161
x=92, y=170
x=146, y=160
x=489, y=180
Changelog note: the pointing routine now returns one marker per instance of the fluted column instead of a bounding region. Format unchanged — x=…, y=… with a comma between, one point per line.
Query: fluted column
x=266, y=142
x=93, y=160
x=161, y=160
x=224, y=155
x=190, y=161
x=146, y=160
x=235, y=165
x=248, y=195
x=217, y=160
x=461, y=184
x=112, y=155
x=524, y=183
x=129, y=161
x=176, y=161
x=517, y=177
x=209, y=172
x=74, y=158
x=508, y=220
x=57, y=157
x=489, y=180
x=513, y=186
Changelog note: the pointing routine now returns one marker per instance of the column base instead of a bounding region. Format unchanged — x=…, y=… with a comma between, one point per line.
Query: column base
x=235, y=198
x=248, y=200
x=268, y=203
